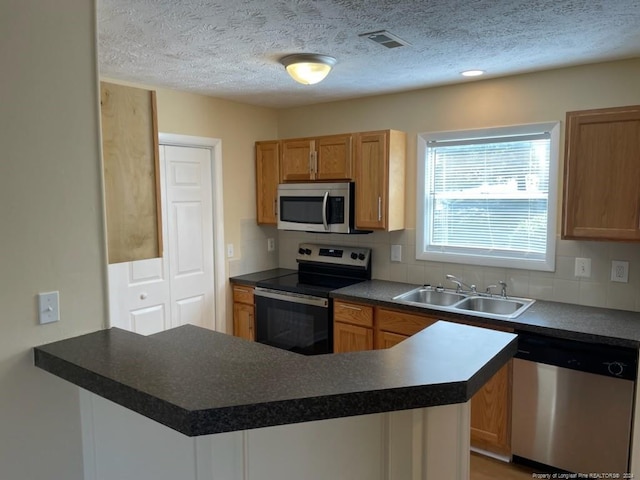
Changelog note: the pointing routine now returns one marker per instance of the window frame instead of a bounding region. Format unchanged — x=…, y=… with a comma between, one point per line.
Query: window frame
x=468, y=256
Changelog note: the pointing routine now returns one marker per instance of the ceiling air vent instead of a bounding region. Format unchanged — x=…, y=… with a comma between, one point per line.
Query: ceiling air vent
x=386, y=39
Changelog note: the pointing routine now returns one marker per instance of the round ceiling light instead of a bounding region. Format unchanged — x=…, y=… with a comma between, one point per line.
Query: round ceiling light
x=472, y=73
x=308, y=68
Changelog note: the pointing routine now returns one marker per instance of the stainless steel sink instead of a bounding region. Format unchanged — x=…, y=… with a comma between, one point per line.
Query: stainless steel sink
x=479, y=305
x=498, y=306
x=428, y=295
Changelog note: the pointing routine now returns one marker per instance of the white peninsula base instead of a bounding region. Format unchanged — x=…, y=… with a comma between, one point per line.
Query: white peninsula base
x=421, y=444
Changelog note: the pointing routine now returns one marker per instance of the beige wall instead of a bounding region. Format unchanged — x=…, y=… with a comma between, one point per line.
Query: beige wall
x=239, y=126
x=51, y=233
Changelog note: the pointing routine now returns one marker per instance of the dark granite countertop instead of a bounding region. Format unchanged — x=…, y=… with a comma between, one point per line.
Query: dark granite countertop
x=576, y=322
x=200, y=382
x=252, y=279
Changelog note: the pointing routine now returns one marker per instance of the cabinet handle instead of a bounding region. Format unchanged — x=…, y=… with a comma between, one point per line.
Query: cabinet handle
x=311, y=162
x=349, y=307
x=379, y=208
x=275, y=207
x=315, y=162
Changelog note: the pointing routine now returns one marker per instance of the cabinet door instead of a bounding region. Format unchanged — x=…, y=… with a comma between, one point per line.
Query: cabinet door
x=379, y=161
x=333, y=158
x=602, y=174
x=351, y=338
x=491, y=414
x=131, y=173
x=388, y=339
x=267, y=179
x=297, y=160
x=243, y=321
x=371, y=179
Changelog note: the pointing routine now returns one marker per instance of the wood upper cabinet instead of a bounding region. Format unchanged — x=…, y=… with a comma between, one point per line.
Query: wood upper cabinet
x=320, y=158
x=131, y=173
x=267, y=179
x=602, y=174
x=380, y=180
x=243, y=312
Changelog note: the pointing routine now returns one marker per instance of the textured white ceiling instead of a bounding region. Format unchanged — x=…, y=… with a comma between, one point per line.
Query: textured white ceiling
x=230, y=49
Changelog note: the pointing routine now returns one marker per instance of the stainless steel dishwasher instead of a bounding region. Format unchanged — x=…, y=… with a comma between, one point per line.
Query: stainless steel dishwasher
x=572, y=404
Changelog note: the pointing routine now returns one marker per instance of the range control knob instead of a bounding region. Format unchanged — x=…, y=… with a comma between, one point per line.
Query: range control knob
x=361, y=256
x=307, y=251
x=615, y=368
x=354, y=255
x=301, y=251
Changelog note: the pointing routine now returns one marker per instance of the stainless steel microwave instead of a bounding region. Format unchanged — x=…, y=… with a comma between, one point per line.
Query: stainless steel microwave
x=317, y=207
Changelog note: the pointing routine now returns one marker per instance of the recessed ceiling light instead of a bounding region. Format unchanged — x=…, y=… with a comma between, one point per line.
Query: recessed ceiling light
x=472, y=73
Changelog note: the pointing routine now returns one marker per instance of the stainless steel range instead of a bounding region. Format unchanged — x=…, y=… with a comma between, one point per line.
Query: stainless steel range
x=294, y=312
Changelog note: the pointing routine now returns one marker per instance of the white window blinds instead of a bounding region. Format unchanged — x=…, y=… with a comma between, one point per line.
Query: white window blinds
x=489, y=196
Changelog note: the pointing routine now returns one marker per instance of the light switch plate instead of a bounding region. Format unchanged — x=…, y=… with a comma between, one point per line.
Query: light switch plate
x=396, y=253
x=583, y=267
x=619, y=271
x=230, y=251
x=48, y=307
x=271, y=244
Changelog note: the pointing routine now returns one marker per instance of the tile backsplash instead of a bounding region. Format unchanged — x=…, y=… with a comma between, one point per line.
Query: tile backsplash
x=561, y=285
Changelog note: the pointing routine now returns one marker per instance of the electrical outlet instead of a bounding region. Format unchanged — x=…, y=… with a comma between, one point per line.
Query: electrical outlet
x=583, y=267
x=271, y=244
x=230, y=252
x=48, y=307
x=396, y=253
x=619, y=271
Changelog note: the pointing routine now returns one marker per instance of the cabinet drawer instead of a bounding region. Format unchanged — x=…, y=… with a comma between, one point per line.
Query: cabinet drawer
x=353, y=313
x=243, y=294
x=401, y=322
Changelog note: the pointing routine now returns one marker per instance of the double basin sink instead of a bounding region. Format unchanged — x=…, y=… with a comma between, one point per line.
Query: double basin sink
x=479, y=305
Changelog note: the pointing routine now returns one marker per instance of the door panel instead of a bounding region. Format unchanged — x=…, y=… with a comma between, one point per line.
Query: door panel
x=190, y=234
x=148, y=321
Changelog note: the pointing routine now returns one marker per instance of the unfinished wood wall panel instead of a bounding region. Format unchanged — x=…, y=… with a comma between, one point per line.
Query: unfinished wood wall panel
x=131, y=172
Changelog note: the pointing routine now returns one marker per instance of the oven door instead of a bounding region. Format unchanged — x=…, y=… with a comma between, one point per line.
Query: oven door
x=292, y=321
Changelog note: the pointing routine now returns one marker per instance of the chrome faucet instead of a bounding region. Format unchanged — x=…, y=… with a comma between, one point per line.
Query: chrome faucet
x=503, y=292
x=459, y=284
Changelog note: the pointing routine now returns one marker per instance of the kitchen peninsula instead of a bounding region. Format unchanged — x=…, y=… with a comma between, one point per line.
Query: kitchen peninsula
x=256, y=412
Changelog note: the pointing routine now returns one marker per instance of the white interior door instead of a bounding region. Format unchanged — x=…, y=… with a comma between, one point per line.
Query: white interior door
x=190, y=234
x=149, y=296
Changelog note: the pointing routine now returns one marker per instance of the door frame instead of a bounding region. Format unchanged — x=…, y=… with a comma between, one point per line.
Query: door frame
x=214, y=145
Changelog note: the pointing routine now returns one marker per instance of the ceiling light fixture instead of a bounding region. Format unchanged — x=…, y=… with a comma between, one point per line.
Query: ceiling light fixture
x=308, y=68
x=472, y=73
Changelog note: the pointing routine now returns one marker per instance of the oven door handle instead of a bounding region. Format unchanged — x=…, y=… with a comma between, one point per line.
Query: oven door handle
x=325, y=199
x=291, y=297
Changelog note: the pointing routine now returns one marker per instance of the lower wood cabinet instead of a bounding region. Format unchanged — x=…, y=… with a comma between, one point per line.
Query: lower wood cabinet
x=362, y=327
x=388, y=339
x=351, y=338
x=352, y=327
x=491, y=414
x=243, y=312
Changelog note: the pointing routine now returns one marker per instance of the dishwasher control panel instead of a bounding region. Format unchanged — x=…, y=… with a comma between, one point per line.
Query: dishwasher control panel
x=607, y=360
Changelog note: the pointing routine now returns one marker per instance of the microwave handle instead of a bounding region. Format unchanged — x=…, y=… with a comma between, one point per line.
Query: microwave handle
x=325, y=200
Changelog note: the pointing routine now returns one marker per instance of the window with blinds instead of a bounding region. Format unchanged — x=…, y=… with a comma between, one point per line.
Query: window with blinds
x=489, y=197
